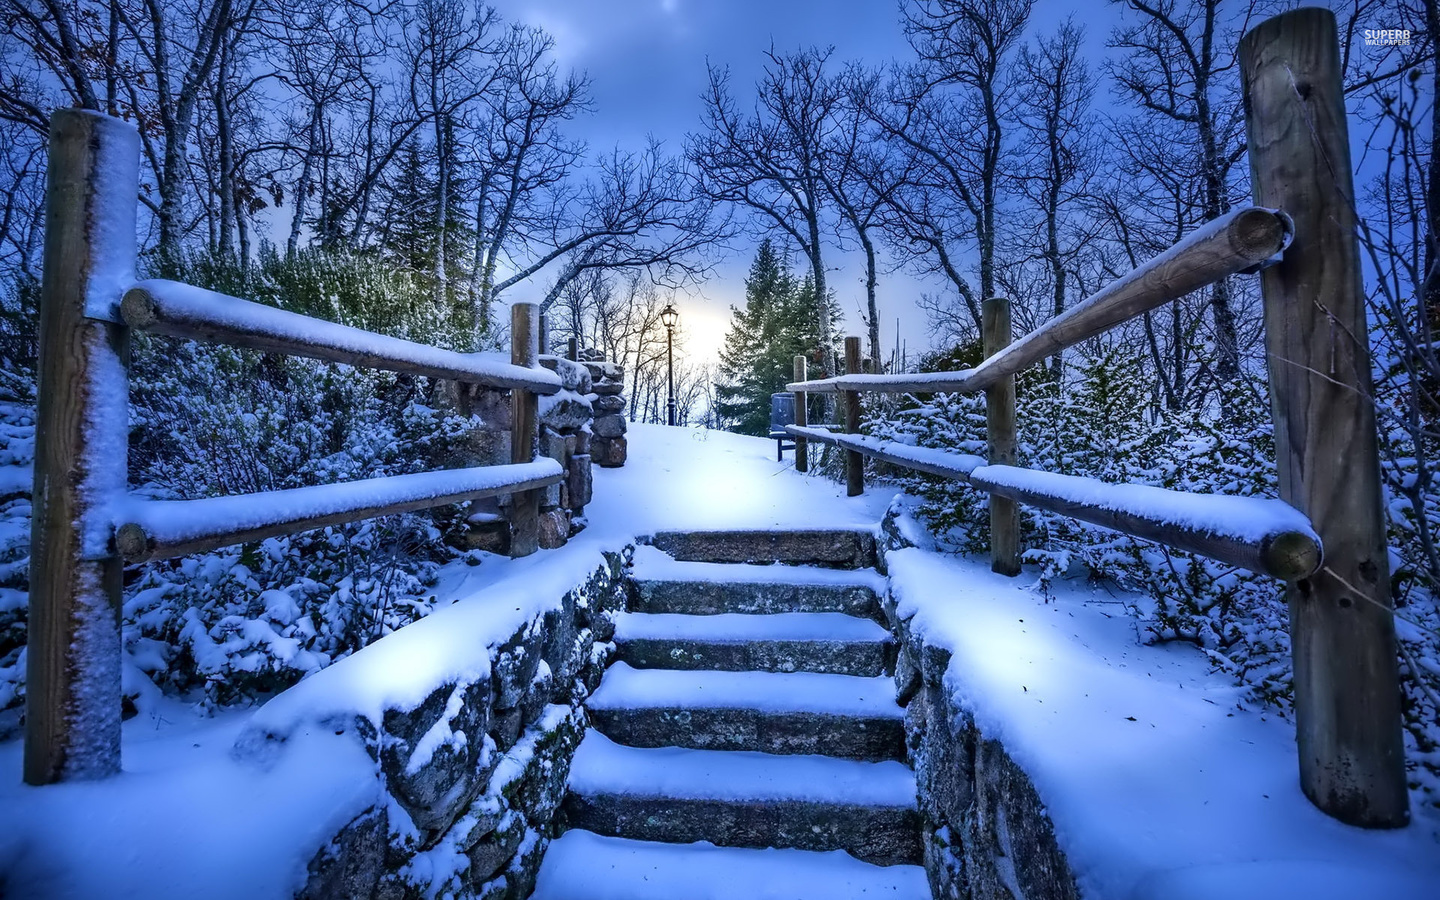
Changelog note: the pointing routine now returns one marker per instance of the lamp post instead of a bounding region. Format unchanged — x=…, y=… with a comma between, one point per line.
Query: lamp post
x=669, y=317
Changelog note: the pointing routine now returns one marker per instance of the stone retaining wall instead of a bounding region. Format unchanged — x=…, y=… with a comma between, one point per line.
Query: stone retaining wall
x=470, y=777
x=986, y=831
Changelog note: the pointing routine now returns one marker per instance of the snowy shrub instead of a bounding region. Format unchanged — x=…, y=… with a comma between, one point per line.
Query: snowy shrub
x=238, y=624
x=1101, y=424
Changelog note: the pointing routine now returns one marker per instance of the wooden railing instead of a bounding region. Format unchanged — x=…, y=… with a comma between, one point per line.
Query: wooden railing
x=1342, y=630
x=86, y=525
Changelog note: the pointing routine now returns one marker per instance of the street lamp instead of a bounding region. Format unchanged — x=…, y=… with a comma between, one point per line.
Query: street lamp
x=668, y=317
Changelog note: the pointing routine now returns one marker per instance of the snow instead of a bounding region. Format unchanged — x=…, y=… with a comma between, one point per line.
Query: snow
x=184, y=820
x=738, y=628
x=1160, y=783
x=944, y=463
x=624, y=687
x=654, y=565
x=1248, y=519
x=268, y=324
x=176, y=521
x=1198, y=797
x=585, y=866
x=602, y=766
x=116, y=174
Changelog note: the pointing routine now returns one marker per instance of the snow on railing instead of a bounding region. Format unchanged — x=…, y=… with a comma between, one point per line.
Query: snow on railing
x=1263, y=535
x=157, y=529
x=183, y=311
x=1233, y=243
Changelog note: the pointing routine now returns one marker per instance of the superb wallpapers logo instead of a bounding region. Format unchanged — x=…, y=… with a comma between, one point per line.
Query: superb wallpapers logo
x=1387, y=37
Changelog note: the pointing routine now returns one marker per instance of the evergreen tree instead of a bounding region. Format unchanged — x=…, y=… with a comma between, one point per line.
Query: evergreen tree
x=409, y=236
x=777, y=323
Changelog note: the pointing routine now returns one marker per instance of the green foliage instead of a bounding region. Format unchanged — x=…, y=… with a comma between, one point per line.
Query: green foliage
x=778, y=323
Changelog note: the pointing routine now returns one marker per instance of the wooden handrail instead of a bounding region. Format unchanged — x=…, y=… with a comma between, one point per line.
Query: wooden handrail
x=160, y=529
x=1241, y=240
x=1287, y=549
x=179, y=310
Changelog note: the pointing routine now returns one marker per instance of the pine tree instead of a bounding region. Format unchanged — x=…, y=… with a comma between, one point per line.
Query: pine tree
x=777, y=323
x=410, y=239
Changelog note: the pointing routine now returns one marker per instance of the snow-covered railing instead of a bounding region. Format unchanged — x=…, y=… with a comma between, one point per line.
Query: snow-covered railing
x=1263, y=535
x=181, y=311
x=86, y=526
x=158, y=529
x=1347, y=694
x=1233, y=243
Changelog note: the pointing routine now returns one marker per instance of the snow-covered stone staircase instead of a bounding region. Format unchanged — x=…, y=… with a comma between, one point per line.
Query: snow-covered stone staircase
x=746, y=743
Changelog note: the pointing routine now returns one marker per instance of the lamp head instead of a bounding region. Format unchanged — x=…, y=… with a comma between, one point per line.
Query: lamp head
x=669, y=316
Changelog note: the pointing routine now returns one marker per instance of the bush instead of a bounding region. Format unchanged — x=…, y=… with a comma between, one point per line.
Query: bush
x=238, y=624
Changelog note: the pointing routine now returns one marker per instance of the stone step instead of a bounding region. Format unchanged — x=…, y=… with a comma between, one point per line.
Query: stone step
x=783, y=642
x=774, y=712
x=834, y=548
x=581, y=865
x=745, y=799
x=664, y=585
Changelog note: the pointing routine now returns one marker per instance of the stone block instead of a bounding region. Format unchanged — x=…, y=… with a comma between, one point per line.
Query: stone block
x=492, y=536
x=582, y=444
x=539, y=786
x=506, y=726
x=607, y=388
x=611, y=426
x=579, y=481
x=655, y=595
x=608, y=453
x=610, y=403
x=493, y=852
x=433, y=783
x=479, y=446
x=554, y=529
x=565, y=411
x=832, y=548
x=352, y=864
x=489, y=405
x=606, y=371
x=515, y=664
x=571, y=374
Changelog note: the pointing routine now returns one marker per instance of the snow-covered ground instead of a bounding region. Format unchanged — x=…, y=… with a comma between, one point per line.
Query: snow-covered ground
x=185, y=819
x=1160, y=782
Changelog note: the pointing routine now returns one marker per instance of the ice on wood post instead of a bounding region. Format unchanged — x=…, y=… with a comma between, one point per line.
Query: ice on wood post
x=72, y=700
x=1342, y=630
x=854, y=461
x=802, y=418
x=525, y=505
x=1000, y=439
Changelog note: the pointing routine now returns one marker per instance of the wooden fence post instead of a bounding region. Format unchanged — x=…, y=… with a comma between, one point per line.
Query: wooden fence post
x=854, y=462
x=525, y=505
x=1000, y=439
x=1342, y=630
x=802, y=418
x=72, y=691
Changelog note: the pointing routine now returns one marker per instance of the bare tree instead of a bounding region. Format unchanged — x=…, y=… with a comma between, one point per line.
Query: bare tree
x=1058, y=147
x=949, y=114
x=861, y=177
x=771, y=161
x=1178, y=68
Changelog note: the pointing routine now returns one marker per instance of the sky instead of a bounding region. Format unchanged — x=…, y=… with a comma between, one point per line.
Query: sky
x=646, y=60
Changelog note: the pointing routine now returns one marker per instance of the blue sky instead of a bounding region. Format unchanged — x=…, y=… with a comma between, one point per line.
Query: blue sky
x=646, y=60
